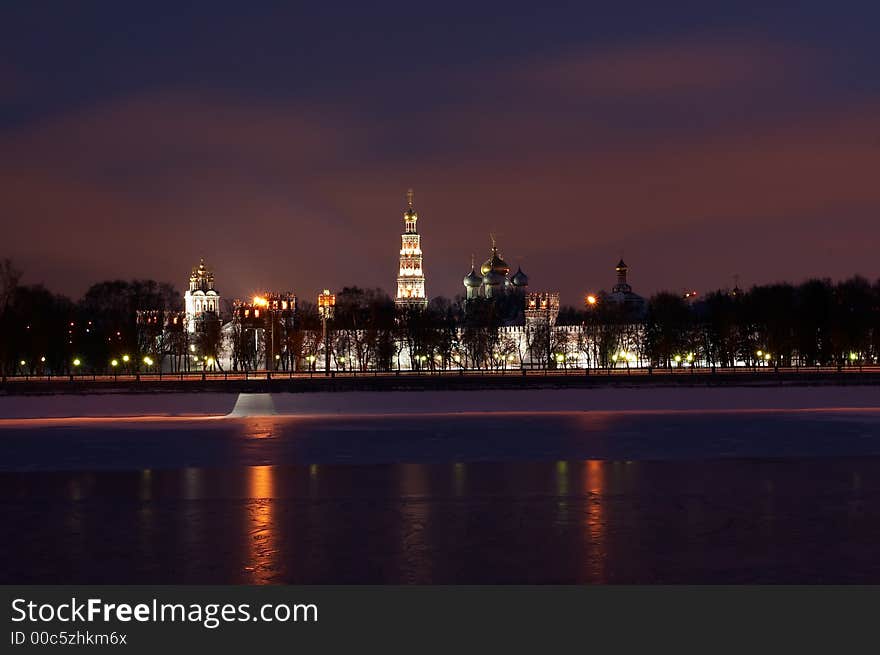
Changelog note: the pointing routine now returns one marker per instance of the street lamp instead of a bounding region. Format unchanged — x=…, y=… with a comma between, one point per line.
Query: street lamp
x=326, y=309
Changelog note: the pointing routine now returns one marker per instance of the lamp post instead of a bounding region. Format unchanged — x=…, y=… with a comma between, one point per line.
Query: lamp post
x=326, y=307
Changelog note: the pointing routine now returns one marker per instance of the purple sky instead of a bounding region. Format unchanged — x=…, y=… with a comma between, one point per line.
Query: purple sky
x=696, y=140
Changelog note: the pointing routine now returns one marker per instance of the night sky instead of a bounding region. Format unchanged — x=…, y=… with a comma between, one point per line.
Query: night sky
x=697, y=139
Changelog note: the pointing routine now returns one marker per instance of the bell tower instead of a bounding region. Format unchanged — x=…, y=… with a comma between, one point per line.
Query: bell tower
x=201, y=298
x=411, y=276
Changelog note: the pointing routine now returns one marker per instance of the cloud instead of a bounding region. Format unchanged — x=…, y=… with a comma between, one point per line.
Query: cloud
x=690, y=143
x=669, y=68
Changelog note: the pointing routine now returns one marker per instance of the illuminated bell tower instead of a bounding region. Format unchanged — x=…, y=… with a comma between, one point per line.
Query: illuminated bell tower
x=411, y=278
x=201, y=299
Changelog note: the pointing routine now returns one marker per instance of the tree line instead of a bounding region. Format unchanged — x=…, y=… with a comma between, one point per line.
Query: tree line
x=816, y=323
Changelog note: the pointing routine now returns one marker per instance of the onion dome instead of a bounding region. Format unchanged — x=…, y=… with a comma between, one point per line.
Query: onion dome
x=519, y=278
x=495, y=264
x=472, y=279
x=493, y=279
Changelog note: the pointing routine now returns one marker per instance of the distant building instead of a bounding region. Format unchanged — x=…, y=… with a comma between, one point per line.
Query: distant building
x=622, y=293
x=411, y=276
x=259, y=333
x=494, y=278
x=201, y=299
x=542, y=307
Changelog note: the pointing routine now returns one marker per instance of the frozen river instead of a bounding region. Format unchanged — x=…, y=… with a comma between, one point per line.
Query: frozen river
x=760, y=488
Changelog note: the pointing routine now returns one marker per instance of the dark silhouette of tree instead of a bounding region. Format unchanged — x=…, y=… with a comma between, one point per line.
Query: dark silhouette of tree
x=667, y=329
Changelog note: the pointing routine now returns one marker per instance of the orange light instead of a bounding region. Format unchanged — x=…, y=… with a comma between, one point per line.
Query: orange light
x=591, y=299
x=260, y=302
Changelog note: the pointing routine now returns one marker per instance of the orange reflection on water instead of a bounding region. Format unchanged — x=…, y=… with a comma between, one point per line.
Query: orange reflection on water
x=262, y=547
x=594, y=490
x=259, y=427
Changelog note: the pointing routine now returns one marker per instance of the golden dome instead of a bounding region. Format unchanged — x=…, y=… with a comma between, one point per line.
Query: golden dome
x=495, y=264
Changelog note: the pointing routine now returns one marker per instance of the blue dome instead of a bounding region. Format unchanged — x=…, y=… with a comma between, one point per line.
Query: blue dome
x=472, y=279
x=519, y=279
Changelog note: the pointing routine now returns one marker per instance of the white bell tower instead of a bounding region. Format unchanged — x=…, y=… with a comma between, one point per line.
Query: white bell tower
x=411, y=277
x=201, y=299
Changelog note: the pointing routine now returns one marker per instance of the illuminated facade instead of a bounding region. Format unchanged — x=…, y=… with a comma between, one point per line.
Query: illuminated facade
x=259, y=333
x=411, y=276
x=542, y=307
x=201, y=299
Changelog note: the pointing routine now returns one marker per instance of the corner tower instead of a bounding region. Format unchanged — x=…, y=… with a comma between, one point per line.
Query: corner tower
x=411, y=277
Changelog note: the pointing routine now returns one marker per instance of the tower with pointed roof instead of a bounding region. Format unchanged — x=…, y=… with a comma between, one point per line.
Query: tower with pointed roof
x=201, y=299
x=623, y=295
x=621, y=270
x=411, y=276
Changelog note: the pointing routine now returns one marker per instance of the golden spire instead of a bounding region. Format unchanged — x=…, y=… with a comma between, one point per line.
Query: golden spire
x=410, y=194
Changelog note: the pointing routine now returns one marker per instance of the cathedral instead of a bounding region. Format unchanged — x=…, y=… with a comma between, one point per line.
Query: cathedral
x=494, y=278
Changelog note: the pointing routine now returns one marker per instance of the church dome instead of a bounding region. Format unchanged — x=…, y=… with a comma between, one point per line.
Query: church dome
x=519, y=278
x=493, y=278
x=472, y=279
x=495, y=264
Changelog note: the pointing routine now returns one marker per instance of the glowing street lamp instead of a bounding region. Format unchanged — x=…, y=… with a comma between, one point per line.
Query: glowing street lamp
x=125, y=358
x=114, y=363
x=76, y=361
x=591, y=300
x=677, y=359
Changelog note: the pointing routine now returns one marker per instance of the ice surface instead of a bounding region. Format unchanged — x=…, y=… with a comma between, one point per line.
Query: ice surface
x=415, y=402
